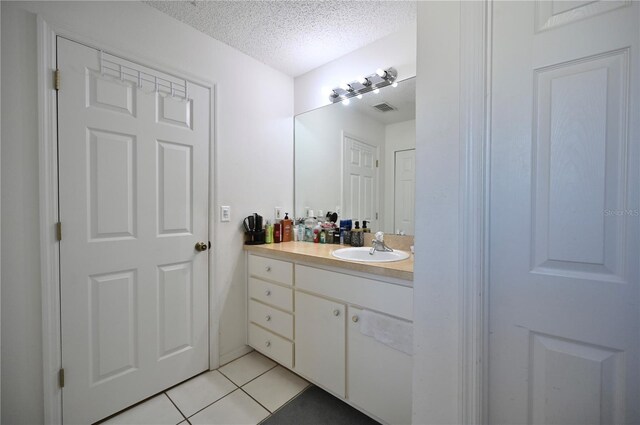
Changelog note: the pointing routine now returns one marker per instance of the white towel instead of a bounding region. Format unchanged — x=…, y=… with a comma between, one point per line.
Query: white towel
x=395, y=333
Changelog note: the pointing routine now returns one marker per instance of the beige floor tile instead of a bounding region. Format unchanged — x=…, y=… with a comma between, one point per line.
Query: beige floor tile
x=200, y=391
x=246, y=368
x=157, y=411
x=236, y=408
x=275, y=388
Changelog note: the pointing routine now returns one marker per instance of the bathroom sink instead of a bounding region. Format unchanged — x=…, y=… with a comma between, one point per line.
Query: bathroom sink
x=362, y=254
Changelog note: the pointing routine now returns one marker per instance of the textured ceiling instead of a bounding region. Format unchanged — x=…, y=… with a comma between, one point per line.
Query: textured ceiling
x=293, y=36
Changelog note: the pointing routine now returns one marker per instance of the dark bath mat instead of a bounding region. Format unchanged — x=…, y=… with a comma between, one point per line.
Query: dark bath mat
x=317, y=407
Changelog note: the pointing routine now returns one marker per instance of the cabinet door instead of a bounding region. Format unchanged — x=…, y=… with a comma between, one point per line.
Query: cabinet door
x=320, y=341
x=379, y=379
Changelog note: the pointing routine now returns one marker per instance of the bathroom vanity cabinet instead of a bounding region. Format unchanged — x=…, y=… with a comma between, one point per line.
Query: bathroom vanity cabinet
x=307, y=318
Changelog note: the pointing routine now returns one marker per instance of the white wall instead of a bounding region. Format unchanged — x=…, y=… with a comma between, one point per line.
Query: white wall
x=399, y=136
x=436, y=391
x=250, y=118
x=397, y=50
x=319, y=152
x=0, y=216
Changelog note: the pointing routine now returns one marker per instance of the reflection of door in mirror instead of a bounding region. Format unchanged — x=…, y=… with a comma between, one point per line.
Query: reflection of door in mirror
x=404, y=191
x=360, y=181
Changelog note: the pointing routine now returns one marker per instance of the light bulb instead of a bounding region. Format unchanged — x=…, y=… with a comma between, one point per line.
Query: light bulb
x=346, y=102
x=359, y=96
x=328, y=91
x=345, y=86
x=376, y=91
x=395, y=84
x=381, y=72
x=361, y=80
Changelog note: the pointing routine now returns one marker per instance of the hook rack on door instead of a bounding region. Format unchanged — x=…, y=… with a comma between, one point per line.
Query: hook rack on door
x=123, y=70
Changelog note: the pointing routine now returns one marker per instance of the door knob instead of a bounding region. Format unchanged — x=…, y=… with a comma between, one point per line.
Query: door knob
x=201, y=246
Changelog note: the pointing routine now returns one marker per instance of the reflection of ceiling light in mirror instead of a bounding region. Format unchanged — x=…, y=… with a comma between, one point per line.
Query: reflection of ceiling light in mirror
x=362, y=80
x=327, y=91
x=346, y=102
x=359, y=96
x=381, y=72
x=395, y=84
x=376, y=91
x=345, y=86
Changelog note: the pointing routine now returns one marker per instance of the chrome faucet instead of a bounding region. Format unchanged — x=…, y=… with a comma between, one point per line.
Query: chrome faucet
x=378, y=244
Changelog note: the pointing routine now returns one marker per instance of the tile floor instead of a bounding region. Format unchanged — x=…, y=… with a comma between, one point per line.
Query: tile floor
x=245, y=391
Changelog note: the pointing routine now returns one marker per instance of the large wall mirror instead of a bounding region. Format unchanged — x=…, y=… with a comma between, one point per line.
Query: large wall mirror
x=359, y=159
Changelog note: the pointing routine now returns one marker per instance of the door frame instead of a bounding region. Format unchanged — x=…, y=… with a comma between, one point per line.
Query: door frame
x=462, y=291
x=48, y=198
x=476, y=38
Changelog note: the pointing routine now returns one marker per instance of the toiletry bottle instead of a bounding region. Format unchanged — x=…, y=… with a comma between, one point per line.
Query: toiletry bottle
x=268, y=233
x=277, y=233
x=323, y=236
x=347, y=231
x=356, y=235
x=365, y=229
x=301, y=231
x=309, y=224
x=286, y=226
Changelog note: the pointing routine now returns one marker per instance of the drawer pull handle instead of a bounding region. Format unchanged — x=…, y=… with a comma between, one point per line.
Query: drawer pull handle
x=268, y=268
x=336, y=312
x=267, y=344
x=355, y=319
x=267, y=318
x=267, y=292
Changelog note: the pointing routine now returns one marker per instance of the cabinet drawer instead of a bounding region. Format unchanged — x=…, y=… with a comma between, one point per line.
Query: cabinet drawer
x=381, y=296
x=270, y=293
x=272, y=319
x=271, y=345
x=270, y=269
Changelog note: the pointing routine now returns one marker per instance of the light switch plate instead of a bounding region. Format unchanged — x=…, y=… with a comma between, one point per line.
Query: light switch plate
x=225, y=213
x=278, y=213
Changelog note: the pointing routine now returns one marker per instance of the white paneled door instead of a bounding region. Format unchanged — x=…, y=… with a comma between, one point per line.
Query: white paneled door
x=134, y=172
x=564, y=219
x=360, y=181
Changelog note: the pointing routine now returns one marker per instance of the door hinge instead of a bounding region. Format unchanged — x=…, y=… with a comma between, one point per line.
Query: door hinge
x=58, y=231
x=56, y=79
x=61, y=378
x=376, y=216
x=376, y=163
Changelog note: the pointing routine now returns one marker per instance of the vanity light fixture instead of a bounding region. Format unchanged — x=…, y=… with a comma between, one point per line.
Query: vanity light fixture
x=374, y=82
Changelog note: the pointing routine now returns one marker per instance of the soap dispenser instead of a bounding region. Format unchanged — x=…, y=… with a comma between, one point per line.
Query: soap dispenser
x=357, y=238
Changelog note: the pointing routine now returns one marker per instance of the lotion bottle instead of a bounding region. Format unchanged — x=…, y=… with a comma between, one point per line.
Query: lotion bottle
x=287, y=228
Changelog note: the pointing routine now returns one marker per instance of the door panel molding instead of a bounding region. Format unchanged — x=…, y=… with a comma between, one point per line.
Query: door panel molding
x=48, y=198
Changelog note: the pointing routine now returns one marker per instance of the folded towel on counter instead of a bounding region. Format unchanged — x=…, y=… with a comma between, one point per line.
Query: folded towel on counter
x=395, y=333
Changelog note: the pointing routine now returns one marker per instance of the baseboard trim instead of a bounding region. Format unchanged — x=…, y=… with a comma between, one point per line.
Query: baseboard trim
x=232, y=355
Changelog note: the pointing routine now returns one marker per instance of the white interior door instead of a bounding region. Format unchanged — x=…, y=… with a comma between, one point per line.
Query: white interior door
x=360, y=182
x=564, y=315
x=405, y=191
x=133, y=203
